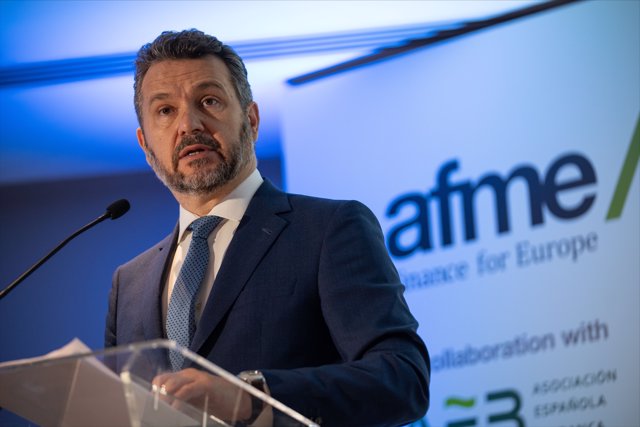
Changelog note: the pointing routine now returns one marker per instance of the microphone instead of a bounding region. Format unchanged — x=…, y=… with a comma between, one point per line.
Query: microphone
x=114, y=210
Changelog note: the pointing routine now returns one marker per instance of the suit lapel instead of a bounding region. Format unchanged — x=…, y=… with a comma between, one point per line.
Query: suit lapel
x=154, y=281
x=258, y=230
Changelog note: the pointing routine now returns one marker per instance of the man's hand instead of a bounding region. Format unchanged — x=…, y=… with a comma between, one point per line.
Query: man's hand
x=206, y=392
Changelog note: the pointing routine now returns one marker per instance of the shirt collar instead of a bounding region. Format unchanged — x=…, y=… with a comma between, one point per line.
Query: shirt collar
x=231, y=207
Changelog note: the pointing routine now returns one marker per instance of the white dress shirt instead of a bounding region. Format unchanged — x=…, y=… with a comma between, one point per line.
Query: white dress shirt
x=232, y=209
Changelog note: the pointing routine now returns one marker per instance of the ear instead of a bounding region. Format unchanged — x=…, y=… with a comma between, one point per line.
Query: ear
x=254, y=119
x=141, y=141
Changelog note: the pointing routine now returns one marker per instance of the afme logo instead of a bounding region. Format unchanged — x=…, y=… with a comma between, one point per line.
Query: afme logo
x=410, y=236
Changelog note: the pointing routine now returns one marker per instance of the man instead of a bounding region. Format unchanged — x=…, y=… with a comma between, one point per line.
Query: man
x=300, y=289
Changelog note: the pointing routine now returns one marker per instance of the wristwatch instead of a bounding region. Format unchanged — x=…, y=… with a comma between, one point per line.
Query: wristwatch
x=257, y=380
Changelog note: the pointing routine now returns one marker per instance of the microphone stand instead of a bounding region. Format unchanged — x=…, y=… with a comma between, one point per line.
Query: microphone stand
x=113, y=211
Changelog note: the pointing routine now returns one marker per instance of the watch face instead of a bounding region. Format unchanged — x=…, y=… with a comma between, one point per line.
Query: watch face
x=253, y=378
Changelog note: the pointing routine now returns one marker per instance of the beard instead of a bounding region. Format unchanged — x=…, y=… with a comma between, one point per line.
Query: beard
x=206, y=178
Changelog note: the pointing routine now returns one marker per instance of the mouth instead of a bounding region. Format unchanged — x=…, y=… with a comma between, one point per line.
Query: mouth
x=194, y=150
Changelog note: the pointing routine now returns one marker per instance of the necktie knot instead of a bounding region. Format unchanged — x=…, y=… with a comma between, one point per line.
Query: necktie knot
x=203, y=226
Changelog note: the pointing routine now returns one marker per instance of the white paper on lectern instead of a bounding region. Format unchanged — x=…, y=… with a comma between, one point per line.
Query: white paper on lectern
x=59, y=390
x=73, y=347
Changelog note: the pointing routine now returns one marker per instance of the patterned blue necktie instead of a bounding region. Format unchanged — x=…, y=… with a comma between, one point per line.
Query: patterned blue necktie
x=181, y=314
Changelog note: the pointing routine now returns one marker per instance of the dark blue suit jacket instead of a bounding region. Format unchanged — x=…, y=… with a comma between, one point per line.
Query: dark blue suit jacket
x=308, y=295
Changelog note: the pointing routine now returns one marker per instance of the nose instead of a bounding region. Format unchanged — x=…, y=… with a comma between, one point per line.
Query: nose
x=190, y=122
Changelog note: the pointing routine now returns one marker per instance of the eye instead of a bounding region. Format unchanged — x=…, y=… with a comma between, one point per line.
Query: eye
x=210, y=101
x=164, y=111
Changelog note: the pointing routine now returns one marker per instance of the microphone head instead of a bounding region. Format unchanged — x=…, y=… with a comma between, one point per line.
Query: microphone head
x=118, y=208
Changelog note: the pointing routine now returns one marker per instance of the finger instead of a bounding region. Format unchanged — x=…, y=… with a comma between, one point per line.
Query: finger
x=196, y=384
x=160, y=378
x=190, y=373
x=157, y=385
x=172, y=384
x=193, y=390
x=159, y=388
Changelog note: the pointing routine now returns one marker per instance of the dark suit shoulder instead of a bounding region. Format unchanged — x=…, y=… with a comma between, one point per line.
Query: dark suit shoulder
x=303, y=201
x=329, y=209
x=271, y=199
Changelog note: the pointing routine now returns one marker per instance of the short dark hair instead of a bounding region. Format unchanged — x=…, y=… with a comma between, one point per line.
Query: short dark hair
x=189, y=44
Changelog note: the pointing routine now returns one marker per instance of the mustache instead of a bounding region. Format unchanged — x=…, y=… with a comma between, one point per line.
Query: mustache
x=197, y=139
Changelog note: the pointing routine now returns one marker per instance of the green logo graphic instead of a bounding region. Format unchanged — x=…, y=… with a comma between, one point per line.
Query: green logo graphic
x=626, y=176
x=457, y=401
x=512, y=415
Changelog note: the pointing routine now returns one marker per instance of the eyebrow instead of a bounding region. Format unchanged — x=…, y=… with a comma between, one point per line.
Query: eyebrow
x=209, y=84
x=200, y=86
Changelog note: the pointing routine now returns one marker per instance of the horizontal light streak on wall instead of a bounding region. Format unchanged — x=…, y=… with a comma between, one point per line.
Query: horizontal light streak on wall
x=74, y=69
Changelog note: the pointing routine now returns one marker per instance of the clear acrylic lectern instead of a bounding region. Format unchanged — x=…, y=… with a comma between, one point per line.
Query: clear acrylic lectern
x=119, y=387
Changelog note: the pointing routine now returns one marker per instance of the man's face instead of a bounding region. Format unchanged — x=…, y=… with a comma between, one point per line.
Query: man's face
x=195, y=134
